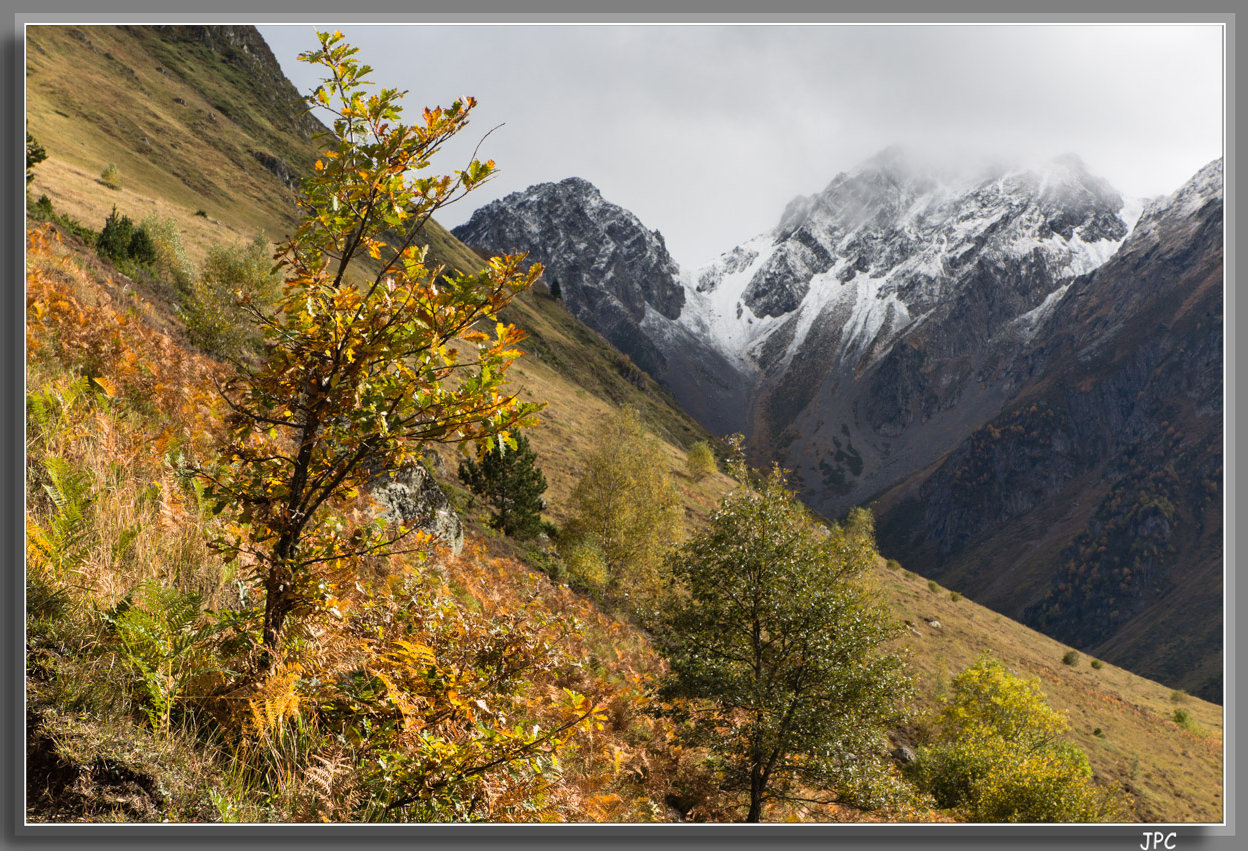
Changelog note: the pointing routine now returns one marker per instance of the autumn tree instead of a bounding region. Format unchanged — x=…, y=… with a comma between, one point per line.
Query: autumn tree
x=999, y=755
x=511, y=482
x=370, y=354
x=776, y=655
x=625, y=509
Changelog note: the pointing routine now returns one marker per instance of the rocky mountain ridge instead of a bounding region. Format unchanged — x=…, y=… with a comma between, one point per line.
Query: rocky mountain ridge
x=886, y=322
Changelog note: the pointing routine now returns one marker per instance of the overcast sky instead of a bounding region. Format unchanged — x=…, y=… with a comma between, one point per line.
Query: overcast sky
x=706, y=132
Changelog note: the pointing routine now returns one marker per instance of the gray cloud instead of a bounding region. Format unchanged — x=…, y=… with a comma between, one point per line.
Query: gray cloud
x=706, y=132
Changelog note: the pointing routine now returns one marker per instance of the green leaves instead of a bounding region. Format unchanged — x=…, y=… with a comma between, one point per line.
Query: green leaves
x=509, y=479
x=775, y=650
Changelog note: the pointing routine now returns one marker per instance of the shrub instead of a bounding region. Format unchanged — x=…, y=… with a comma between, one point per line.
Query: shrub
x=1183, y=717
x=41, y=209
x=999, y=756
x=171, y=260
x=1097, y=664
x=932, y=586
x=893, y=564
x=1099, y=733
x=111, y=176
x=1178, y=696
x=203, y=214
x=1071, y=657
x=700, y=460
x=235, y=281
x=955, y=596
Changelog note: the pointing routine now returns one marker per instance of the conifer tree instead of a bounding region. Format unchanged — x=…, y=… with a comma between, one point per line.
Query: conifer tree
x=511, y=482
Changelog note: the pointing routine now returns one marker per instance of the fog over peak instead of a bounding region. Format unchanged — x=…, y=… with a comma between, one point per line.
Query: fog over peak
x=708, y=132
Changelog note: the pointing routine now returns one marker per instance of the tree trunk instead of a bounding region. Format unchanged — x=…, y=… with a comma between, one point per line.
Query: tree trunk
x=279, y=599
x=757, y=785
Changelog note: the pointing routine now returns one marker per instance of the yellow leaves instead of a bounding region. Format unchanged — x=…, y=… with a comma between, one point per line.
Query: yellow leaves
x=413, y=654
x=276, y=699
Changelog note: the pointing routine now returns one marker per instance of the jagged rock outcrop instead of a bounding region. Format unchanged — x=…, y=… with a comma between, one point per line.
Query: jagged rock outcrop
x=877, y=316
x=413, y=497
x=619, y=279
x=1090, y=507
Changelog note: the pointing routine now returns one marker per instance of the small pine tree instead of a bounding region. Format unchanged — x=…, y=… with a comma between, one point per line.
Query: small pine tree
x=511, y=483
x=114, y=241
x=556, y=292
x=35, y=154
x=141, y=248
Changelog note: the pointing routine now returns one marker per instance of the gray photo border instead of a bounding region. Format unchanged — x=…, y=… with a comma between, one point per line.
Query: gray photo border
x=18, y=834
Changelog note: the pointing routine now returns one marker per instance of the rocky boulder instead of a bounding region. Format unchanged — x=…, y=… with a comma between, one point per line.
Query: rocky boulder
x=413, y=497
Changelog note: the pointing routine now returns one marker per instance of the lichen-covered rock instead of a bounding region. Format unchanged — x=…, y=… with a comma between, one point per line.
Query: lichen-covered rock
x=413, y=497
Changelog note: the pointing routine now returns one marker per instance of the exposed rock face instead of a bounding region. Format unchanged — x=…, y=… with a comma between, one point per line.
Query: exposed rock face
x=619, y=279
x=1037, y=424
x=876, y=317
x=1090, y=507
x=414, y=498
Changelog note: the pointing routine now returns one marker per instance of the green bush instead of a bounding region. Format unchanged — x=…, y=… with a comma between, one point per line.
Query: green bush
x=700, y=461
x=586, y=567
x=35, y=154
x=1098, y=664
x=999, y=756
x=893, y=564
x=1178, y=696
x=955, y=596
x=141, y=248
x=171, y=261
x=111, y=176
x=1183, y=717
x=41, y=209
x=932, y=586
x=1071, y=657
x=215, y=314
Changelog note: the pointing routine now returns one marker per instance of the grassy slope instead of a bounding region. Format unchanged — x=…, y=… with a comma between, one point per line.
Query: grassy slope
x=1176, y=775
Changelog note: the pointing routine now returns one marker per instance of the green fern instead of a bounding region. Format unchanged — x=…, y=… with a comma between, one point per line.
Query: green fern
x=65, y=543
x=163, y=636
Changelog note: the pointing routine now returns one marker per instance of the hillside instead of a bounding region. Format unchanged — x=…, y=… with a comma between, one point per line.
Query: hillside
x=630, y=772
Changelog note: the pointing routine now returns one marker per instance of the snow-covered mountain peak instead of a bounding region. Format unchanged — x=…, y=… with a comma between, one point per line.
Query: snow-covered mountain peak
x=884, y=243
